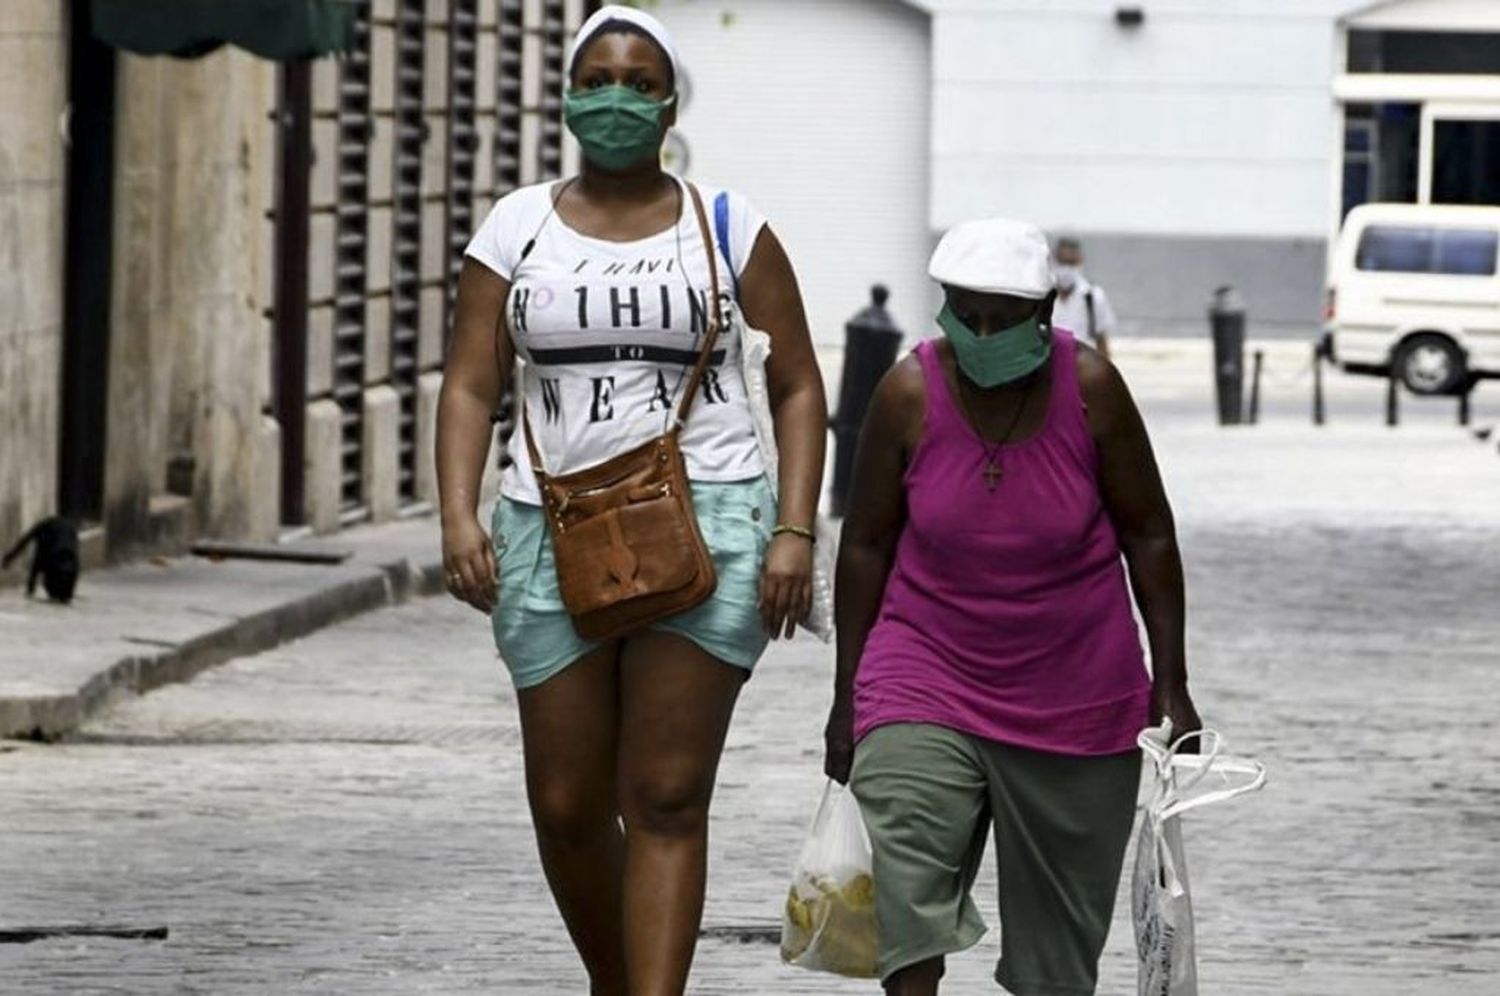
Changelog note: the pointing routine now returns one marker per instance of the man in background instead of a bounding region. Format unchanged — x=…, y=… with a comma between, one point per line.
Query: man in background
x=1082, y=308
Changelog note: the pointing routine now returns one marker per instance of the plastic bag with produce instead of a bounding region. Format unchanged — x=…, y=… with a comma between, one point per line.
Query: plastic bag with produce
x=829, y=923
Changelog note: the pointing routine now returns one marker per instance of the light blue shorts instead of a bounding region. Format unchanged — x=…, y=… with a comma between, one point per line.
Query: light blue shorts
x=535, y=634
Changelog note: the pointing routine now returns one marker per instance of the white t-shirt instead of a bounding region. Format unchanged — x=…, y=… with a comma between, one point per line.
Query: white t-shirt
x=609, y=331
x=1072, y=312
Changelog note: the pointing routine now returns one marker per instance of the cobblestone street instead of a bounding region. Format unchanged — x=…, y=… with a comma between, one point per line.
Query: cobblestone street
x=345, y=814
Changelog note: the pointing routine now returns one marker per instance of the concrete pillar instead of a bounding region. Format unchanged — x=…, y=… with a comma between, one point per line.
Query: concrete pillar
x=381, y=159
x=325, y=137
x=377, y=339
x=433, y=254
x=429, y=386
x=435, y=70
x=531, y=147
x=378, y=251
x=322, y=257
x=265, y=498
x=323, y=475
x=430, y=328
x=382, y=440
x=33, y=171
x=320, y=351
x=382, y=67
x=434, y=178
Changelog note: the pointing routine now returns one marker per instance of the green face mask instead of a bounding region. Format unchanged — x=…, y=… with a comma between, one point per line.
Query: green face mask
x=992, y=360
x=618, y=127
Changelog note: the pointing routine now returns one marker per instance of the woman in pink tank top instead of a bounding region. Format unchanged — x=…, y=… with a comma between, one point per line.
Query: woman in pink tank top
x=990, y=669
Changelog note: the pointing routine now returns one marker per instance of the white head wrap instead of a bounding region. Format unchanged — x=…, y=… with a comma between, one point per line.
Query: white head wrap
x=995, y=256
x=639, y=18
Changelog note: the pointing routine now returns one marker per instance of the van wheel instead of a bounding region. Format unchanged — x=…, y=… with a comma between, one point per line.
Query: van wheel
x=1431, y=364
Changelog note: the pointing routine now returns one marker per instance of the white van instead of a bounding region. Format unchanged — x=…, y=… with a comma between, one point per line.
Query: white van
x=1414, y=289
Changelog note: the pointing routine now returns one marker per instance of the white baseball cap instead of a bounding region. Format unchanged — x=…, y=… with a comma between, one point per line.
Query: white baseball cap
x=995, y=256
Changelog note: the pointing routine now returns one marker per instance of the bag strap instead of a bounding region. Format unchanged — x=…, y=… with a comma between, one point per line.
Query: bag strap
x=721, y=228
x=700, y=368
x=1224, y=767
x=1169, y=760
x=715, y=314
x=1088, y=299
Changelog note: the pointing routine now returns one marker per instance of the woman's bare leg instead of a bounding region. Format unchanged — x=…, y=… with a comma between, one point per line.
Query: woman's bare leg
x=920, y=979
x=570, y=729
x=676, y=701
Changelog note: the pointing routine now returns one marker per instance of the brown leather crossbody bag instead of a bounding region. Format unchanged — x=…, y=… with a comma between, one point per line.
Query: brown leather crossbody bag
x=624, y=532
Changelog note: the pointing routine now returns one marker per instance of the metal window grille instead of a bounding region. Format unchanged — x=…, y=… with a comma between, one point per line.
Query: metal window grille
x=463, y=142
x=508, y=176
x=406, y=234
x=554, y=56
x=508, y=102
x=351, y=233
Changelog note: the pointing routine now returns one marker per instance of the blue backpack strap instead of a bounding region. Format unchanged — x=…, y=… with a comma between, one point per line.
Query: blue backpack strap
x=721, y=230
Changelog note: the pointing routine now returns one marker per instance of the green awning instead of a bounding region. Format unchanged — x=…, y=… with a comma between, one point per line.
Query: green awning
x=187, y=29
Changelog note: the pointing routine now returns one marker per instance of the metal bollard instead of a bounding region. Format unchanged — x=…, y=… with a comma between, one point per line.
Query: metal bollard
x=1320, y=412
x=1260, y=359
x=871, y=340
x=1226, y=317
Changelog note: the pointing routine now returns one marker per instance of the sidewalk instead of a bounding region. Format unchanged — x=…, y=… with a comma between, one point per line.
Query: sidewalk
x=135, y=627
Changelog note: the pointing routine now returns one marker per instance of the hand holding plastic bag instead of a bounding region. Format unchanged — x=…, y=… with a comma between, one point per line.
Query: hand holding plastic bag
x=755, y=351
x=1162, y=906
x=829, y=924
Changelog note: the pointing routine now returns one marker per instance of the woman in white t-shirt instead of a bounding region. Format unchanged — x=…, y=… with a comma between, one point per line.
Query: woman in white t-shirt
x=600, y=285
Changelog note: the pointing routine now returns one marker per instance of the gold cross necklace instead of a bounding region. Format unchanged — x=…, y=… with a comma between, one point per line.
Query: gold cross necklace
x=992, y=470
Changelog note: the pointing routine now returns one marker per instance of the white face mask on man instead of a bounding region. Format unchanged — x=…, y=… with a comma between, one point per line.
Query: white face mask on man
x=1066, y=276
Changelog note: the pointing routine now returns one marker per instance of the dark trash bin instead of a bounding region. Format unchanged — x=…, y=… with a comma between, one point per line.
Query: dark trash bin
x=1226, y=318
x=871, y=341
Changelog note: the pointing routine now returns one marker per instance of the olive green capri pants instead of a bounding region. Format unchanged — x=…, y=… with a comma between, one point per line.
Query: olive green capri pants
x=929, y=796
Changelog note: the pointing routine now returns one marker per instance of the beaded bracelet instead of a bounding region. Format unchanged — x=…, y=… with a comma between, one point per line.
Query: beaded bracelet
x=802, y=531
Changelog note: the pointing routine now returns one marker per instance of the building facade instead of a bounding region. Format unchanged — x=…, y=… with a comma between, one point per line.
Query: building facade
x=224, y=295
x=1189, y=143
x=1205, y=144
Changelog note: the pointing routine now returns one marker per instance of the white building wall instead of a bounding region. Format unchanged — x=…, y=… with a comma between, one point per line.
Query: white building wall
x=1212, y=118
x=818, y=112
x=1192, y=151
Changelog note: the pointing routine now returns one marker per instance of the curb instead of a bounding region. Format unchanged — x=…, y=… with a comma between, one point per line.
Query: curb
x=53, y=717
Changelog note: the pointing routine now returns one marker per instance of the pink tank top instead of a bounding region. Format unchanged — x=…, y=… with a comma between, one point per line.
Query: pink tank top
x=1007, y=615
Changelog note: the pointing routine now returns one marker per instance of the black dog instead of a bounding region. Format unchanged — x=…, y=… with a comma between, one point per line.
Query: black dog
x=55, y=558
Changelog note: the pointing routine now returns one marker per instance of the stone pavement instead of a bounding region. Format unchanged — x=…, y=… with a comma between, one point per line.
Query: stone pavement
x=134, y=627
x=345, y=814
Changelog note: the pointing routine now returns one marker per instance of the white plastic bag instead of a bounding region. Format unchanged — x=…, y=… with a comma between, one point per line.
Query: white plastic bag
x=1161, y=903
x=755, y=350
x=829, y=921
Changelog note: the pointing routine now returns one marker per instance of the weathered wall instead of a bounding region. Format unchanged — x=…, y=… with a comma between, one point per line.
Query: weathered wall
x=33, y=59
x=188, y=346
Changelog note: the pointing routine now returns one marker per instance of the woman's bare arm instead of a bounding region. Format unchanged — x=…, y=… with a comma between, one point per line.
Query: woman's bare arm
x=772, y=302
x=1136, y=501
x=876, y=516
x=474, y=380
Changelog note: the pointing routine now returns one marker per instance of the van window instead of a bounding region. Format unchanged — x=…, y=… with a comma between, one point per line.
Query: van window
x=1413, y=249
x=1467, y=251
